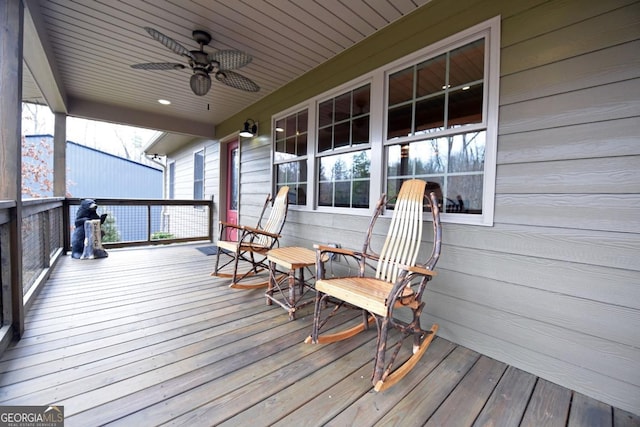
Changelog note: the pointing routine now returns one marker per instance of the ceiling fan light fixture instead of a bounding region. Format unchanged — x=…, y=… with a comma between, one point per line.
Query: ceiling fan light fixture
x=203, y=64
x=250, y=129
x=200, y=82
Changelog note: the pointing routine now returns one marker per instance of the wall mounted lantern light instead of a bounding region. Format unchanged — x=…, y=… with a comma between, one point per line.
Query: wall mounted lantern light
x=250, y=129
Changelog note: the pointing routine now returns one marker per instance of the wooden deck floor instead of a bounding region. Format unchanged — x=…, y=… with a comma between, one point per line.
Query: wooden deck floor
x=146, y=337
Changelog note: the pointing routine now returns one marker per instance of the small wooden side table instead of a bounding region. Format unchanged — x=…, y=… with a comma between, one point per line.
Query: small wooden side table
x=287, y=290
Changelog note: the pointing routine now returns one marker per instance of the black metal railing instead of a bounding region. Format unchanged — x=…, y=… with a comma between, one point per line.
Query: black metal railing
x=140, y=222
x=41, y=239
x=41, y=228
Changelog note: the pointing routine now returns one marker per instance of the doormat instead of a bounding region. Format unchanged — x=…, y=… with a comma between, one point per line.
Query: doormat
x=208, y=250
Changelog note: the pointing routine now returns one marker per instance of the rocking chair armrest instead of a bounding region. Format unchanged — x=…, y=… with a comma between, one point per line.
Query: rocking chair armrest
x=347, y=252
x=323, y=254
x=253, y=230
x=231, y=225
x=418, y=269
x=340, y=251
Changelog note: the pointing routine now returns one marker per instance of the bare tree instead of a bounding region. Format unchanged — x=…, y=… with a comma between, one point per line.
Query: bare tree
x=37, y=176
x=123, y=143
x=34, y=115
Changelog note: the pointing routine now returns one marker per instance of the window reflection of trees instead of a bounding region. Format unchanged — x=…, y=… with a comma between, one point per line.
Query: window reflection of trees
x=455, y=162
x=345, y=166
x=294, y=175
x=467, y=152
x=344, y=179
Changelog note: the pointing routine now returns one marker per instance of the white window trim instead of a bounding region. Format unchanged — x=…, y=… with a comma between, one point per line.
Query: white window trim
x=204, y=164
x=371, y=79
x=492, y=62
x=311, y=133
x=171, y=164
x=490, y=30
x=367, y=79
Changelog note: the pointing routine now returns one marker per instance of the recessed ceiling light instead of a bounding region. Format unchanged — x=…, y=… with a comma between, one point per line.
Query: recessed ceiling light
x=164, y=101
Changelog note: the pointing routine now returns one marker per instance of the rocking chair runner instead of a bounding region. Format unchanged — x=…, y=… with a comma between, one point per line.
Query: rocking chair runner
x=253, y=243
x=398, y=283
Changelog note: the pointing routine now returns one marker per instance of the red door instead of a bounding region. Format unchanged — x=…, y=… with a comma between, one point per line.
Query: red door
x=233, y=187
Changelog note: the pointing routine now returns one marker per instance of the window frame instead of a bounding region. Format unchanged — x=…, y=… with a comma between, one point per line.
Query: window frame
x=351, y=148
x=171, y=178
x=298, y=158
x=490, y=31
x=378, y=80
x=200, y=152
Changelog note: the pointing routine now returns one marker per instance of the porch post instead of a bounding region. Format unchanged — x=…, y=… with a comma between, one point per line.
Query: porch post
x=11, y=25
x=60, y=155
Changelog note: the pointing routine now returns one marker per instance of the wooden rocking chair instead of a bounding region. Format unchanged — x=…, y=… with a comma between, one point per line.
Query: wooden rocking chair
x=398, y=283
x=253, y=243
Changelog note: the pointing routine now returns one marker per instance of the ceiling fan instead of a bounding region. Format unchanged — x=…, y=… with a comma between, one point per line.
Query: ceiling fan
x=203, y=64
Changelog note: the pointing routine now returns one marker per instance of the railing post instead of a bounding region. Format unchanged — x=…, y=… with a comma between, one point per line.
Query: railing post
x=45, y=235
x=149, y=224
x=66, y=227
x=211, y=219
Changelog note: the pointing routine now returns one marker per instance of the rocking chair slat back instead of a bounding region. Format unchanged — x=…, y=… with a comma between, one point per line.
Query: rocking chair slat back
x=276, y=219
x=404, y=236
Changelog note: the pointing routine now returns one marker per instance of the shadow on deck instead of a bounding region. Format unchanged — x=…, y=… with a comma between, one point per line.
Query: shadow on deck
x=148, y=337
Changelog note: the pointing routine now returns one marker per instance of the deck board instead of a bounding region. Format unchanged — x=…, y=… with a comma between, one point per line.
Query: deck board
x=148, y=337
x=508, y=401
x=589, y=412
x=423, y=401
x=549, y=407
x=471, y=393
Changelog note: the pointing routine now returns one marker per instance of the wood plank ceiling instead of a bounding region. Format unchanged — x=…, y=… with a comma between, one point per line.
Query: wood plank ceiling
x=78, y=53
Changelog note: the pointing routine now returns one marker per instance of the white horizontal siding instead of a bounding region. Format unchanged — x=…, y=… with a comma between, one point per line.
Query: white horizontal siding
x=613, y=175
x=582, y=141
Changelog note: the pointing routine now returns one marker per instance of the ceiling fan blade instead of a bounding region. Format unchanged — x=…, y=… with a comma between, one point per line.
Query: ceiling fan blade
x=238, y=81
x=158, y=66
x=230, y=59
x=169, y=42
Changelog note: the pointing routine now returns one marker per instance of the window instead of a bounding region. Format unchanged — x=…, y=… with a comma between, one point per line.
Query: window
x=198, y=175
x=343, y=149
x=431, y=115
x=440, y=96
x=172, y=180
x=290, y=157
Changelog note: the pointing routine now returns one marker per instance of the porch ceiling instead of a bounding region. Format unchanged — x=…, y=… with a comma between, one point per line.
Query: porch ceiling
x=77, y=54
